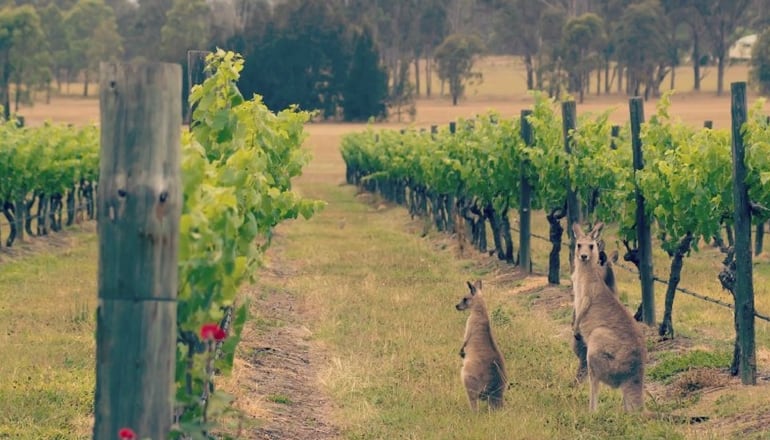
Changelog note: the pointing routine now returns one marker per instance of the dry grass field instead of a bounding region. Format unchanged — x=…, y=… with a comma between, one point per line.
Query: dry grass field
x=354, y=334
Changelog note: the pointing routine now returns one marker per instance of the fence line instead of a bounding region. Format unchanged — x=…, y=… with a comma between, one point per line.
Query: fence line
x=680, y=289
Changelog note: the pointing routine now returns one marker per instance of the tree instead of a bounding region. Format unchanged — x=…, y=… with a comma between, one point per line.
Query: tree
x=29, y=56
x=455, y=58
x=760, y=63
x=517, y=30
x=552, y=22
x=303, y=59
x=186, y=28
x=82, y=23
x=142, y=29
x=582, y=40
x=19, y=27
x=641, y=45
x=721, y=19
x=52, y=22
x=431, y=32
x=366, y=88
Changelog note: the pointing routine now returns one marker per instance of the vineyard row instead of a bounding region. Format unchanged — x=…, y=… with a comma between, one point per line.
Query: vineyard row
x=471, y=175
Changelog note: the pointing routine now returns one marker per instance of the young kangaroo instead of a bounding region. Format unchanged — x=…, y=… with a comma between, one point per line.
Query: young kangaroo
x=615, y=347
x=483, y=371
x=608, y=275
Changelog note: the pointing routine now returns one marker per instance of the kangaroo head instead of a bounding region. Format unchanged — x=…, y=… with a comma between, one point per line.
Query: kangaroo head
x=588, y=246
x=467, y=300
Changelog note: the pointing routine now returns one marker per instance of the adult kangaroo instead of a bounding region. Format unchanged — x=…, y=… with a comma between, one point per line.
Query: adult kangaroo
x=615, y=347
x=608, y=275
x=483, y=370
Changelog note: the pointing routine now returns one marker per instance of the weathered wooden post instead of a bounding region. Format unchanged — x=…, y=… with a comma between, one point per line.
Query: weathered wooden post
x=139, y=199
x=744, y=288
x=196, y=74
x=525, y=199
x=569, y=118
x=643, y=234
x=453, y=127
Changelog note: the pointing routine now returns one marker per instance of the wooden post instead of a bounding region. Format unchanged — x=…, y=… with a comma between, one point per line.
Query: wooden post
x=196, y=74
x=453, y=127
x=525, y=199
x=643, y=234
x=139, y=200
x=744, y=289
x=569, y=116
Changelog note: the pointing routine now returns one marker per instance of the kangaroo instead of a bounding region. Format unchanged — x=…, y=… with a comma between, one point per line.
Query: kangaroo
x=608, y=275
x=483, y=370
x=615, y=347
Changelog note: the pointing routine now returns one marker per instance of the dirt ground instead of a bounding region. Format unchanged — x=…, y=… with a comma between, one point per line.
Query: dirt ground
x=694, y=108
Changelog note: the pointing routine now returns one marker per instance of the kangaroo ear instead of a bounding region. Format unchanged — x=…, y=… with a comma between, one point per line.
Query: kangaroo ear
x=577, y=230
x=614, y=256
x=597, y=230
x=477, y=285
x=471, y=287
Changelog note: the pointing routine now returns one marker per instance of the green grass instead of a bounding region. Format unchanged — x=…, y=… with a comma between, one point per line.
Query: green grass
x=384, y=299
x=47, y=309
x=672, y=363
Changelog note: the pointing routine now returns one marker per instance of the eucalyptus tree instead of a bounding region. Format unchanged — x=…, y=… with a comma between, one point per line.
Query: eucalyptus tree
x=641, y=45
x=186, y=27
x=552, y=22
x=582, y=41
x=52, y=23
x=19, y=27
x=82, y=23
x=455, y=58
x=29, y=56
x=517, y=30
x=759, y=73
x=721, y=19
x=431, y=30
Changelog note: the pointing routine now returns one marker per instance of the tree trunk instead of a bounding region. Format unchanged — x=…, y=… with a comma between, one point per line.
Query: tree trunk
x=696, y=62
x=428, y=77
x=85, y=84
x=720, y=74
x=673, y=77
x=530, y=71
x=17, y=96
x=666, y=329
x=598, y=81
x=417, y=76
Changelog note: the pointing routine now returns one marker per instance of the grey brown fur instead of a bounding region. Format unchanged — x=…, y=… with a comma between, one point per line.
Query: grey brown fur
x=616, y=351
x=483, y=370
x=608, y=275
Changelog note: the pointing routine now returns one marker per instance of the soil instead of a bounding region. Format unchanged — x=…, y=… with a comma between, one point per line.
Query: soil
x=279, y=364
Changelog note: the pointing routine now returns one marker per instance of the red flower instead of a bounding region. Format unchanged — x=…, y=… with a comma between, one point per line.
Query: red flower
x=212, y=332
x=126, y=434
